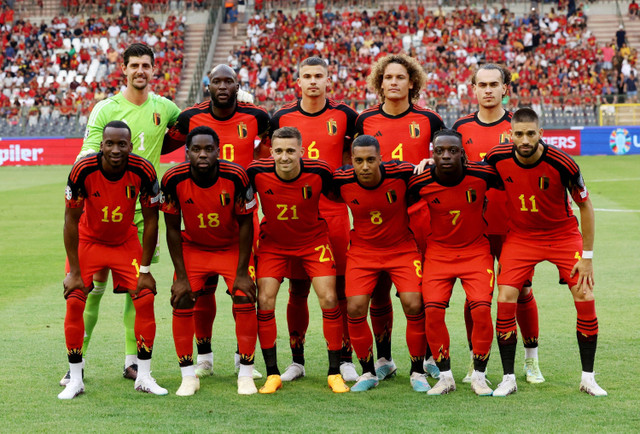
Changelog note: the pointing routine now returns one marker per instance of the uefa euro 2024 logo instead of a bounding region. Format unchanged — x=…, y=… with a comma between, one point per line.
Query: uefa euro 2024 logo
x=620, y=141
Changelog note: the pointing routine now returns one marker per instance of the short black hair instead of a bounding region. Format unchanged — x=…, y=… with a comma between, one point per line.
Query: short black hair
x=138, y=49
x=118, y=125
x=447, y=133
x=287, y=133
x=364, y=141
x=525, y=114
x=203, y=130
x=313, y=61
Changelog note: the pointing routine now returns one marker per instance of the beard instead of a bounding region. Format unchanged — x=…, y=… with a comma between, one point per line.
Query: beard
x=231, y=102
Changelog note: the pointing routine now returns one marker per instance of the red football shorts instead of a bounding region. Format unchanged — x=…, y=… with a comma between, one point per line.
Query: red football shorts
x=420, y=223
x=520, y=256
x=364, y=266
x=496, y=214
x=201, y=264
x=316, y=261
x=339, y=227
x=441, y=271
x=123, y=260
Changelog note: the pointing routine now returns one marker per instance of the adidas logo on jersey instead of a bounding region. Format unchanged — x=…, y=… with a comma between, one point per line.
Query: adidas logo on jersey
x=355, y=202
x=96, y=194
x=509, y=179
x=436, y=200
x=469, y=142
x=378, y=134
x=189, y=201
x=268, y=192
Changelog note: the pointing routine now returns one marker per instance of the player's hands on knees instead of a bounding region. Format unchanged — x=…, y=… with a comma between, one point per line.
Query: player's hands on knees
x=584, y=268
x=72, y=282
x=179, y=289
x=145, y=281
x=245, y=284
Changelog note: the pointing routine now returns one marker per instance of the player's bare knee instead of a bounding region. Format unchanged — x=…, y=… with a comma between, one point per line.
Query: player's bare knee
x=241, y=299
x=357, y=307
x=411, y=303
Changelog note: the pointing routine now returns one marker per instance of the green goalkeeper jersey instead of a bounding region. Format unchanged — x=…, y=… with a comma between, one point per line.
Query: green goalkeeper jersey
x=148, y=123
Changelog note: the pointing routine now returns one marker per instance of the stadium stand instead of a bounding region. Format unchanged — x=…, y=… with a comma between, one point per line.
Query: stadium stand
x=560, y=66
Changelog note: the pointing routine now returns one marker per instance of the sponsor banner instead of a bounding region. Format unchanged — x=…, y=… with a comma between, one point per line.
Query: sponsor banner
x=38, y=151
x=567, y=140
x=610, y=140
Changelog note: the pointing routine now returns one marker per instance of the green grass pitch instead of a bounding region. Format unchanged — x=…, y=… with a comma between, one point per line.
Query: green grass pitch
x=33, y=355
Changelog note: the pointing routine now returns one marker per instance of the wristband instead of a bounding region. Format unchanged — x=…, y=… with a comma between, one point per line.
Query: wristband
x=587, y=254
x=145, y=269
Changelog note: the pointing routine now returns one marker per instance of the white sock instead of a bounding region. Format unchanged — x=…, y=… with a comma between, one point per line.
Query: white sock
x=531, y=353
x=75, y=371
x=188, y=371
x=205, y=357
x=245, y=371
x=144, y=367
x=586, y=376
x=130, y=359
x=447, y=374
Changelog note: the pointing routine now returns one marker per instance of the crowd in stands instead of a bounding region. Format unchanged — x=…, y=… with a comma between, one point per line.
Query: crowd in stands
x=62, y=69
x=555, y=60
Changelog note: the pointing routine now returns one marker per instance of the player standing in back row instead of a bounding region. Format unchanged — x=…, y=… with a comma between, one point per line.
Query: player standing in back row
x=481, y=131
x=405, y=132
x=327, y=128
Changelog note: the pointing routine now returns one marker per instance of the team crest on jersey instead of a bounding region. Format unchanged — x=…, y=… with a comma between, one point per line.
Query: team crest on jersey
x=243, y=132
x=332, y=127
x=471, y=195
x=306, y=192
x=225, y=198
x=543, y=182
x=505, y=138
x=67, y=193
x=392, y=196
x=156, y=119
x=130, y=191
x=414, y=130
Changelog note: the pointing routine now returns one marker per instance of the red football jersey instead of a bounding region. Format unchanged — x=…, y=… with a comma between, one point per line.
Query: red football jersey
x=405, y=137
x=109, y=204
x=292, y=219
x=479, y=138
x=209, y=211
x=456, y=210
x=537, y=196
x=237, y=133
x=326, y=135
x=380, y=219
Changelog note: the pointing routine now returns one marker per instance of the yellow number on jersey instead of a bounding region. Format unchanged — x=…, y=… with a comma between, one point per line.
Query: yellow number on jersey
x=228, y=152
x=116, y=216
x=397, y=153
x=136, y=266
x=284, y=208
x=455, y=213
x=312, y=152
x=376, y=218
x=532, y=199
x=212, y=220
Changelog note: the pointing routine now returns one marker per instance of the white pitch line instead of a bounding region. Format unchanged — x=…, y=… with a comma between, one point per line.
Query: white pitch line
x=612, y=210
x=614, y=180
